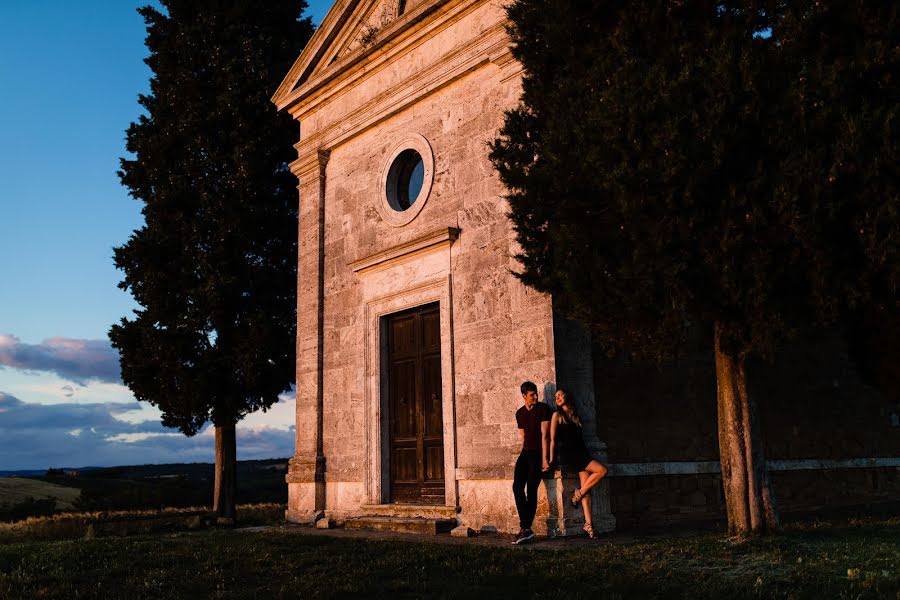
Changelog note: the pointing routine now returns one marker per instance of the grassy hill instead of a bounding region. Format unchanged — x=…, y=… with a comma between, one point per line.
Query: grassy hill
x=136, y=487
x=15, y=490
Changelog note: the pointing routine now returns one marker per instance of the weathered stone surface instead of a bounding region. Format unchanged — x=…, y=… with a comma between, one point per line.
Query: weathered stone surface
x=438, y=79
x=812, y=406
x=463, y=531
x=401, y=524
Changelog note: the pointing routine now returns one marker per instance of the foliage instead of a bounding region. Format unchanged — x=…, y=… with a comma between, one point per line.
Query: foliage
x=214, y=267
x=675, y=165
x=169, y=486
x=853, y=560
x=27, y=507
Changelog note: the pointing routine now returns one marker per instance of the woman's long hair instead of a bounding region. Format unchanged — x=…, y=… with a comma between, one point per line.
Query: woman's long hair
x=564, y=416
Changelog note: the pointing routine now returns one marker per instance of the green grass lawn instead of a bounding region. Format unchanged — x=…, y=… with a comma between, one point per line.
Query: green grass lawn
x=849, y=560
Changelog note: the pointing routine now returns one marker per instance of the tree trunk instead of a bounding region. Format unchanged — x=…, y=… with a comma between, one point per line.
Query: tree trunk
x=748, y=495
x=226, y=467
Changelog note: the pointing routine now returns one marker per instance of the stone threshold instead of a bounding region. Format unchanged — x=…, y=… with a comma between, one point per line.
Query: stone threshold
x=419, y=525
x=425, y=511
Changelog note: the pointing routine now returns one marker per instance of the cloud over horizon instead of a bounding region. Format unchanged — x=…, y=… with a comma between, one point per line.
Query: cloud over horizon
x=76, y=360
x=39, y=436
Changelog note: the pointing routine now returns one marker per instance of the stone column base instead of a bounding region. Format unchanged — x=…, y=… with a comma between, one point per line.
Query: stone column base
x=563, y=519
x=303, y=517
x=306, y=490
x=302, y=506
x=487, y=504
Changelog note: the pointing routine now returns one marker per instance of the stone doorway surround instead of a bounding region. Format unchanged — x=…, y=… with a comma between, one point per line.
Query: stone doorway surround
x=397, y=279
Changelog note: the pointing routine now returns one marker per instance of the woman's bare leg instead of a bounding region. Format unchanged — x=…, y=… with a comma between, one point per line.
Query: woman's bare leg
x=586, y=499
x=595, y=472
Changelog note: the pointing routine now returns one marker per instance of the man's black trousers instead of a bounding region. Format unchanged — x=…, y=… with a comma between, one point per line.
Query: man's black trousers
x=526, y=479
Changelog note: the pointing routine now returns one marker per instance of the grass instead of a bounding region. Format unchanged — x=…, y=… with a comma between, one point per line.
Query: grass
x=14, y=490
x=857, y=559
x=76, y=525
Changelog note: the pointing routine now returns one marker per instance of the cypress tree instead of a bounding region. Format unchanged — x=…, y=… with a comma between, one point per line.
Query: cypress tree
x=214, y=268
x=727, y=168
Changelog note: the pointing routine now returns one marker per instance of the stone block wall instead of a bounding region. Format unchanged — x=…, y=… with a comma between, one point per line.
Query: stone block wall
x=812, y=403
x=663, y=500
x=501, y=331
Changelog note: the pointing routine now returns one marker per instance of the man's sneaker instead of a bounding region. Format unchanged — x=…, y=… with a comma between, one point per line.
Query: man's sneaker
x=523, y=537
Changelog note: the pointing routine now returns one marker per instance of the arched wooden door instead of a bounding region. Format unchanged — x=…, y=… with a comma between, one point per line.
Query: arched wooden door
x=414, y=404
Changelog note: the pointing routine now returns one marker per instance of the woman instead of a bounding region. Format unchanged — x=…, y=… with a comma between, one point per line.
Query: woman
x=566, y=432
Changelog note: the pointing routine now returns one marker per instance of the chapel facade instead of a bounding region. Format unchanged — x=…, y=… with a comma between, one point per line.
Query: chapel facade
x=413, y=334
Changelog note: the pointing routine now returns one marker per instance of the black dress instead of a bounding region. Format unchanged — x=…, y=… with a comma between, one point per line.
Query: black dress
x=573, y=453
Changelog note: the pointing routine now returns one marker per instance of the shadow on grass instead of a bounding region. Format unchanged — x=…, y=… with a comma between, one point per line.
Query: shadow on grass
x=805, y=562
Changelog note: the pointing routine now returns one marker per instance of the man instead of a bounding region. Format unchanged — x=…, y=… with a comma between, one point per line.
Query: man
x=533, y=420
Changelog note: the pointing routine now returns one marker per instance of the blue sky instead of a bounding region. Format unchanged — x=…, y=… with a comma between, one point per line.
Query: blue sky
x=70, y=74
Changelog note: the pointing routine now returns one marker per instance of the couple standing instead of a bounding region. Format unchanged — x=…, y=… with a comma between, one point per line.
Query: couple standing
x=546, y=435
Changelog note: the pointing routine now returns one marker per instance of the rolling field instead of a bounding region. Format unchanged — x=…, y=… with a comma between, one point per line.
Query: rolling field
x=14, y=490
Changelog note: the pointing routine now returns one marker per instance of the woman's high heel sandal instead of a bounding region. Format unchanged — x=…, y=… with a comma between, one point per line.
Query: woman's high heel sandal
x=576, y=497
x=589, y=530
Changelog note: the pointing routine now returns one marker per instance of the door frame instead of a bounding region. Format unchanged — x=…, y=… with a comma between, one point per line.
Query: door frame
x=419, y=401
x=377, y=427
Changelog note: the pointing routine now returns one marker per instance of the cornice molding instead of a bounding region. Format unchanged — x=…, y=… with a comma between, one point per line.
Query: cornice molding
x=385, y=258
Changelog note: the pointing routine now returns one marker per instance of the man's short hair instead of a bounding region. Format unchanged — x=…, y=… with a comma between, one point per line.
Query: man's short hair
x=528, y=387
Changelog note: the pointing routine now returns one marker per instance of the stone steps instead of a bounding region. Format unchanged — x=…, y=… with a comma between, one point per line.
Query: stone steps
x=420, y=525
x=425, y=511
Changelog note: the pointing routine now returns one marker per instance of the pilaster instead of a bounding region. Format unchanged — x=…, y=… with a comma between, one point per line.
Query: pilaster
x=306, y=470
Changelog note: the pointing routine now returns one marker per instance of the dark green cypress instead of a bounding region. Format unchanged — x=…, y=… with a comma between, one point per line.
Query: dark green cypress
x=214, y=268
x=727, y=168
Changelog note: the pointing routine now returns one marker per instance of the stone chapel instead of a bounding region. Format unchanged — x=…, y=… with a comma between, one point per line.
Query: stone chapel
x=413, y=335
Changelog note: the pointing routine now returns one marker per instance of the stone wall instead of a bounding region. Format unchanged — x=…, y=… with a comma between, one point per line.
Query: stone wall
x=812, y=406
x=501, y=332
x=663, y=500
x=448, y=90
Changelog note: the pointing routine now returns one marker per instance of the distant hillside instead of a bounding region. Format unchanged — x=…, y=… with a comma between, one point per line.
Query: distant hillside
x=25, y=473
x=137, y=487
x=15, y=490
x=192, y=471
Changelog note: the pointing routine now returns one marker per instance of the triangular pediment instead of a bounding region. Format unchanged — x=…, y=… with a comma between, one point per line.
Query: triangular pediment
x=349, y=28
x=370, y=18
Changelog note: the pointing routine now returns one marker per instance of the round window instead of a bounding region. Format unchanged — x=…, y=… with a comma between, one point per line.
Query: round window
x=405, y=183
x=404, y=180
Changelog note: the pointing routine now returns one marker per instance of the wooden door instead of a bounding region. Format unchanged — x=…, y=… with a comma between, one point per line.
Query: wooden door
x=414, y=404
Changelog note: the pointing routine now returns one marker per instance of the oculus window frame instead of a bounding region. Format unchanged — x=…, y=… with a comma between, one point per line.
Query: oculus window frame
x=398, y=176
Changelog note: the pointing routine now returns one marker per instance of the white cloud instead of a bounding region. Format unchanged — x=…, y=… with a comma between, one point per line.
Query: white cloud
x=76, y=360
x=280, y=416
x=131, y=438
x=50, y=388
x=75, y=434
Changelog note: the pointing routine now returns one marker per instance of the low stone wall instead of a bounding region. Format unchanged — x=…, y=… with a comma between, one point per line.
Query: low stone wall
x=838, y=491
x=659, y=500
x=813, y=407
x=651, y=501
